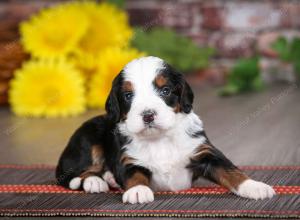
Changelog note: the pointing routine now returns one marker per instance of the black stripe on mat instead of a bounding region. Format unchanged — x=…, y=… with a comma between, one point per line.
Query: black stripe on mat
x=164, y=205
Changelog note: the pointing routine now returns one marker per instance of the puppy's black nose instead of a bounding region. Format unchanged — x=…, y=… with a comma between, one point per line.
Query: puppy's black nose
x=148, y=116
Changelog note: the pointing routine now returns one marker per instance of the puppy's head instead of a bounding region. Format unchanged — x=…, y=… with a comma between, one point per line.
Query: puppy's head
x=146, y=96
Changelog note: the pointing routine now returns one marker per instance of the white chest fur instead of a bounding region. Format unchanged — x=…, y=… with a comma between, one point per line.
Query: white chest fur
x=167, y=156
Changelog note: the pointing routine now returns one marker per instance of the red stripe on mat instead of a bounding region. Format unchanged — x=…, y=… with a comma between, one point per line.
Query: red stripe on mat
x=152, y=211
x=51, y=167
x=196, y=190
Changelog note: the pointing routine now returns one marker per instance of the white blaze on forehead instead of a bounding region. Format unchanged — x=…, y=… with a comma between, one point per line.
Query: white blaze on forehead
x=141, y=72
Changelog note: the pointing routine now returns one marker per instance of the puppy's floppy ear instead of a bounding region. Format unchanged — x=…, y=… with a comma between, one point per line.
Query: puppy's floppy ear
x=112, y=105
x=186, y=97
x=183, y=90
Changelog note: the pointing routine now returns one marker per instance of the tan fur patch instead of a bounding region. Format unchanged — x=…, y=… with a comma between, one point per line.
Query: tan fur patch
x=97, y=162
x=177, y=108
x=97, y=154
x=160, y=80
x=127, y=86
x=126, y=160
x=137, y=178
x=203, y=150
x=92, y=171
x=230, y=179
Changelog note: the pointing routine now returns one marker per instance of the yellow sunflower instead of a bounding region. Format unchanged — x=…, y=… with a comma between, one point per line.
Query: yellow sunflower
x=54, y=32
x=47, y=88
x=108, y=26
x=111, y=62
x=86, y=63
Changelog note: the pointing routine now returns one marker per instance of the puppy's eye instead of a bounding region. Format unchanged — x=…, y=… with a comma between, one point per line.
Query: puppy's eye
x=165, y=91
x=128, y=96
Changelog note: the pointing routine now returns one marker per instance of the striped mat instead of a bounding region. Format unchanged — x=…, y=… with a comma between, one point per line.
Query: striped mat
x=31, y=191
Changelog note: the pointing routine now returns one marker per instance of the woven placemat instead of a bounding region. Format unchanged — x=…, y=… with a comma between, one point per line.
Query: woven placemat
x=31, y=191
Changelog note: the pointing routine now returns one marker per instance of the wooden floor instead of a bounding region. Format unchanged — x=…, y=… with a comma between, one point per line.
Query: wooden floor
x=251, y=129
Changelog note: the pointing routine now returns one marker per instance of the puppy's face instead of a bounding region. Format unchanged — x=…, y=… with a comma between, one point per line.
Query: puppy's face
x=147, y=95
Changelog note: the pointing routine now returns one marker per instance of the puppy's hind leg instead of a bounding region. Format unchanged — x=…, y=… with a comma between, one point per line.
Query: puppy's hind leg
x=90, y=177
x=209, y=162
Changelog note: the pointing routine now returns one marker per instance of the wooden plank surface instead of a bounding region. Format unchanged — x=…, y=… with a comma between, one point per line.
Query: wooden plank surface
x=251, y=129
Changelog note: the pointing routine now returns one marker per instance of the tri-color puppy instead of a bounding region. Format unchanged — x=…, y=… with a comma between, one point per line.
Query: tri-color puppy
x=149, y=140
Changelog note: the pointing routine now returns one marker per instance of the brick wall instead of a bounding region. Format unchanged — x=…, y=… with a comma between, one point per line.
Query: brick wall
x=237, y=28
x=233, y=26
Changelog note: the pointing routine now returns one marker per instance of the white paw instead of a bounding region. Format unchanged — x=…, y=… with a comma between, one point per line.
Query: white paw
x=110, y=179
x=94, y=184
x=138, y=194
x=75, y=183
x=255, y=190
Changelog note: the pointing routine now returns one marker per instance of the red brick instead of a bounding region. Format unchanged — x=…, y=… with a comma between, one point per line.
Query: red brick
x=290, y=12
x=200, y=38
x=146, y=18
x=212, y=17
x=178, y=16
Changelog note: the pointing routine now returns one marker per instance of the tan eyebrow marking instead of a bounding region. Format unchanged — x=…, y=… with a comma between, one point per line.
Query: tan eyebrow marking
x=160, y=80
x=127, y=86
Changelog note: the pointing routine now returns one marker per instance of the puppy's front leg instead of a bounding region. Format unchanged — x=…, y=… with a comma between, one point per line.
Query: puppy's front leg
x=211, y=163
x=137, y=181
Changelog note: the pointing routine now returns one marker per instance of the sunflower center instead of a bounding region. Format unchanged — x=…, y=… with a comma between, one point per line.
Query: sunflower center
x=56, y=41
x=51, y=95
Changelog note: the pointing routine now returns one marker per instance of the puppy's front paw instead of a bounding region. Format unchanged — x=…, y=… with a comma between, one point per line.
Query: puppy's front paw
x=75, y=183
x=110, y=179
x=138, y=194
x=255, y=190
x=94, y=184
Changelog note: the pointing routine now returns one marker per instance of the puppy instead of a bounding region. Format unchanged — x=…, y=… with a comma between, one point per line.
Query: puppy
x=149, y=140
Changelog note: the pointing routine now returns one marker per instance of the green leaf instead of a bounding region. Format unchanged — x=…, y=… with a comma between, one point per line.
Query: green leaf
x=295, y=49
x=177, y=50
x=118, y=3
x=281, y=46
x=289, y=52
x=244, y=76
x=257, y=84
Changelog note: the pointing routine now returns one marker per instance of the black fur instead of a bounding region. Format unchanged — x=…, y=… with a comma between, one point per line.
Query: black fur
x=196, y=134
x=100, y=130
x=112, y=106
x=76, y=157
x=181, y=92
x=187, y=98
x=207, y=166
